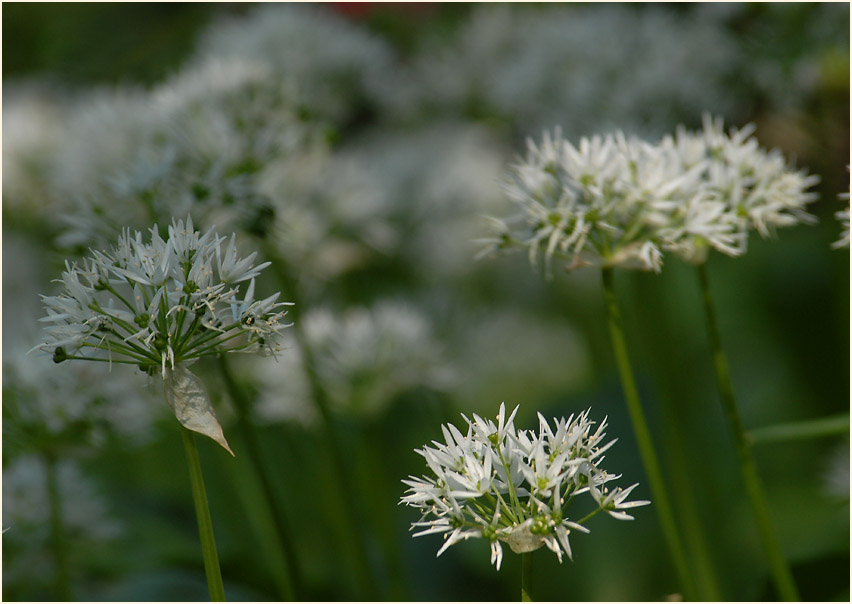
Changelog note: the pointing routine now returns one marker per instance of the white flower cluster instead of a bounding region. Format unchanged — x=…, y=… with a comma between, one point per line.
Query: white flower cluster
x=618, y=201
x=515, y=486
x=161, y=303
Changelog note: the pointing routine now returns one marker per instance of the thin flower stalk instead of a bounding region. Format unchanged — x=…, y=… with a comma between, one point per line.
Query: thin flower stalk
x=643, y=438
x=781, y=575
x=162, y=304
x=205, y=523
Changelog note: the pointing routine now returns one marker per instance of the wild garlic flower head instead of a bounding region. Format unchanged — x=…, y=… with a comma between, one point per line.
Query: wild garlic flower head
x=611, y=201
x=161, y=303
x=758, y=188
x=515, y=486
x=599, y=203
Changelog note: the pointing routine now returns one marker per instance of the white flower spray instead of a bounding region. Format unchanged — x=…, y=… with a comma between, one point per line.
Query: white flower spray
x=513, y=486
x=162, y=305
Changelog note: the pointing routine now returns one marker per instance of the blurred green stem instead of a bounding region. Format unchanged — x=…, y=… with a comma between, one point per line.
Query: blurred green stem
x=356, y=530
x=57, y=529
x=837, y=425
x=668, y=368
x=643, y=438
x=526, y=576
x=285, y=575
x=781, y=574
x=205, y=523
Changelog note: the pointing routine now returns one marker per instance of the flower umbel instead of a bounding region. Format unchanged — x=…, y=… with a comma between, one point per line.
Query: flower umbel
x=515, y=486
x=614, y=201
x=161, y=305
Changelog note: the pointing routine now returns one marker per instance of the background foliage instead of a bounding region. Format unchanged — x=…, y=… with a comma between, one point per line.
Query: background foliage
x=437, y=102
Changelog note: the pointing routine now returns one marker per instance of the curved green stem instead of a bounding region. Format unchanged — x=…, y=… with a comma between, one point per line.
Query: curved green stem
x=526, y=576
x=643, y=438
x=781, y=574
x=205, y=523
x=57, y=530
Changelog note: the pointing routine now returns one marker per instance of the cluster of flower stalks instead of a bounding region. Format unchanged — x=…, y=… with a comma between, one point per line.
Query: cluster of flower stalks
x=515, y=486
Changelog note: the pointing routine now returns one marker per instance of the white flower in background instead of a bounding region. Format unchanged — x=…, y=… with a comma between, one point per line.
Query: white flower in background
x=33, y=121
x=26, y=511
x=515, y=486
x=92, y=407
x=836, y=472
x=757, y=188
x=162, y=305
x=600, y=203
x=87, y=519
x=364, y=358
x=542, y=66
x=613, y=201
x=196, y=143
x=843, y=217
x=325, y=64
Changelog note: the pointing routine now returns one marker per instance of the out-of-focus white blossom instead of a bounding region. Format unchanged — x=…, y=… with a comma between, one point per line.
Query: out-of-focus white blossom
x=33, y=124
x=536, y=67
x=515, y=486
x=843, y=217
x=364, y=358
x=328, y=67
x=26, y=511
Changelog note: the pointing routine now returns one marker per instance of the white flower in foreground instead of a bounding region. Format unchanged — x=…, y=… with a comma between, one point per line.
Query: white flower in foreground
x=515, y=486
x=161, y=305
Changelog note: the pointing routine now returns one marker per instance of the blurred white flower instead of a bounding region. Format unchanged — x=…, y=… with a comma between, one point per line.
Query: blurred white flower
x=26, y=510
x=836, y=474
x=365, y=357
x=514, y=486
x=843, y=217
x=536, y=67
x=93, y=405
x=323, y=63
x=33, y=124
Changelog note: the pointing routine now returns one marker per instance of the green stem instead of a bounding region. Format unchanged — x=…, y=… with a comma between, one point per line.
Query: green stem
x=526, y=576
x=57, y=529
x=205, y=523
x=356, y=531
x=781, y=574
x=837, y=425
x=284, y=575
x=643, y=438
